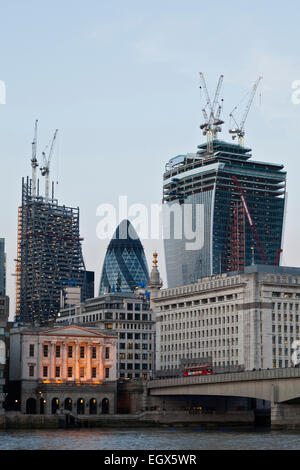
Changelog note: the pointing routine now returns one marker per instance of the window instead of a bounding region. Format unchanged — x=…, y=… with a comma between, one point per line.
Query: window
x=45, y=371
x=106, y=353
x=94, y=372
x=70, y=351
x=45, y=350
x=70, y=372
x=82, y=352
x=81, y=372
x=107, y=372
x=57, y=351
x=31, y=350
x=57, y=371
x=31, y=371
x=94, y=352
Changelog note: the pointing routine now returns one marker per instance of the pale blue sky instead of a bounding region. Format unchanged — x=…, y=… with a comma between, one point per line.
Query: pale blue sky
x=120, y=79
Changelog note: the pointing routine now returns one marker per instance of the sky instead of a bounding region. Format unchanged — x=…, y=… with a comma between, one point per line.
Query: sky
x=120, y=80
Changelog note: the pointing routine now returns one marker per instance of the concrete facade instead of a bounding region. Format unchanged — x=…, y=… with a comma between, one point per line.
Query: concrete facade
x=248, y=319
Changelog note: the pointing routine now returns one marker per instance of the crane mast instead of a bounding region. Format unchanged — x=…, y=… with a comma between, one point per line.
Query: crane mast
x=34, y=162
x=212, y=120
x=45, y=170
x=239, y=129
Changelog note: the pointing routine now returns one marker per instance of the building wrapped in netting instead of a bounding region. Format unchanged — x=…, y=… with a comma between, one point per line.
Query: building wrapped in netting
x=49, y=256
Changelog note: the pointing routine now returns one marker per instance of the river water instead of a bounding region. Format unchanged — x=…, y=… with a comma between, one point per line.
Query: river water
x=149, y=439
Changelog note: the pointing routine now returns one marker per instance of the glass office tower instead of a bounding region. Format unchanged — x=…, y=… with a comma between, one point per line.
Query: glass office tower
x=125, y=266
x=241, y=212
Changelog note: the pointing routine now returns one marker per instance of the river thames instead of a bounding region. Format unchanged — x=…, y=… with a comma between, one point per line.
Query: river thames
x=149, y=439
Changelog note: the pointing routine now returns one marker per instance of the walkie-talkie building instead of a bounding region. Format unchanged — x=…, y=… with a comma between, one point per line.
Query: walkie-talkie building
x=125, y=266
x=242, y=213
x=49, y=256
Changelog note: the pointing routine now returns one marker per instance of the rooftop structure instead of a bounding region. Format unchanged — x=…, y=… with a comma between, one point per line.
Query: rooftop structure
x=2, y=267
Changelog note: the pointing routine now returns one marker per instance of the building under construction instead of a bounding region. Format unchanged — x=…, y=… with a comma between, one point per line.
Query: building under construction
x=49, y=256
x=49, y=253
x=243, y=203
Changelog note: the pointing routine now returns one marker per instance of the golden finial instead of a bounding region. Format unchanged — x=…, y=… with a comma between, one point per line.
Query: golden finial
x=155, y=260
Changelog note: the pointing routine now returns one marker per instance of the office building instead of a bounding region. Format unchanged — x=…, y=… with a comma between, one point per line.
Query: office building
x=129, y=316
x=236, y=206
x=244, y=319
x=2, y=267
x=125, y=266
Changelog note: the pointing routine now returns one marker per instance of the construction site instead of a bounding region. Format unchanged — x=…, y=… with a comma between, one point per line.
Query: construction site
x=243, y=199
x=49, y=252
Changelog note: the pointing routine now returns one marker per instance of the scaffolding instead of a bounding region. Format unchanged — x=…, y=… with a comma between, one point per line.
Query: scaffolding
x=49, y=256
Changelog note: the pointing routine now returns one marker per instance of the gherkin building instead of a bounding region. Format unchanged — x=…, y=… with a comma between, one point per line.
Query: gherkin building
x=125, y=266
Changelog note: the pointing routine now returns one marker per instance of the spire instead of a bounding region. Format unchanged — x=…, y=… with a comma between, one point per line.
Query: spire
x=155, y=282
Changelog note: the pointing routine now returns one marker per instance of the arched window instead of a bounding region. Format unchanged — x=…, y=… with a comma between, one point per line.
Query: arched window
x=80, y=406
x=93, y=406
x=105, y=406
x=54, y=405
x=31, y=406
x=68, y=404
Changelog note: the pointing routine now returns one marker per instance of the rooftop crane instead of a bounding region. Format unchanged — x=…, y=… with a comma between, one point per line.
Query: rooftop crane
x=239, y=129
x=212, y=120
x=45, y=169
x=255, y=235
x=34, y=162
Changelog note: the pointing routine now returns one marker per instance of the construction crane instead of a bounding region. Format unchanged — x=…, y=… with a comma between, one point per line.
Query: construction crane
x=45, y=169
x=212, y=120
x=239, y=129
x=255, y=236
x=34, y=162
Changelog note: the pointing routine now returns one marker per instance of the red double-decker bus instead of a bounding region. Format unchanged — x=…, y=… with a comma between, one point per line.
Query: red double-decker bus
x=198, y=370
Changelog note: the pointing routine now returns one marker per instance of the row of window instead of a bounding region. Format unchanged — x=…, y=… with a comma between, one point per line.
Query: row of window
x=70, y=372
x=135, y=336
x=191, y=303
x=200, y=323
x=131, y=366
x=135, y=346
x=130, y=356
x=82, y=351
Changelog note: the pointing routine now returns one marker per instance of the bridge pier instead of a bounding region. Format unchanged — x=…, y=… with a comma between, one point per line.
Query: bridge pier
x=285, y=416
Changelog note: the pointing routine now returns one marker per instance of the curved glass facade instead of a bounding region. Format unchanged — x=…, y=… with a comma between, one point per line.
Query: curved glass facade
x=125, y=266
x=216, y=182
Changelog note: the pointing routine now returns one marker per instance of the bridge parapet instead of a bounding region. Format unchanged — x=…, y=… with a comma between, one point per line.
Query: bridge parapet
x=264, y=374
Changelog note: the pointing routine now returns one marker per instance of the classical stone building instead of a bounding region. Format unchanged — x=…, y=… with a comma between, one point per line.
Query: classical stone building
x=63, y=368
x=247, y=319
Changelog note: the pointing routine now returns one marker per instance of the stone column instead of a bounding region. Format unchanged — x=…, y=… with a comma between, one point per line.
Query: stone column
x=89, y=361
x=52, y=360
x=64, y=372
x=76, y=360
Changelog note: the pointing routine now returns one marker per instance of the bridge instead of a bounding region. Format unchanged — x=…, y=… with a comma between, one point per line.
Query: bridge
x=235, y=394
x=274, y=385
